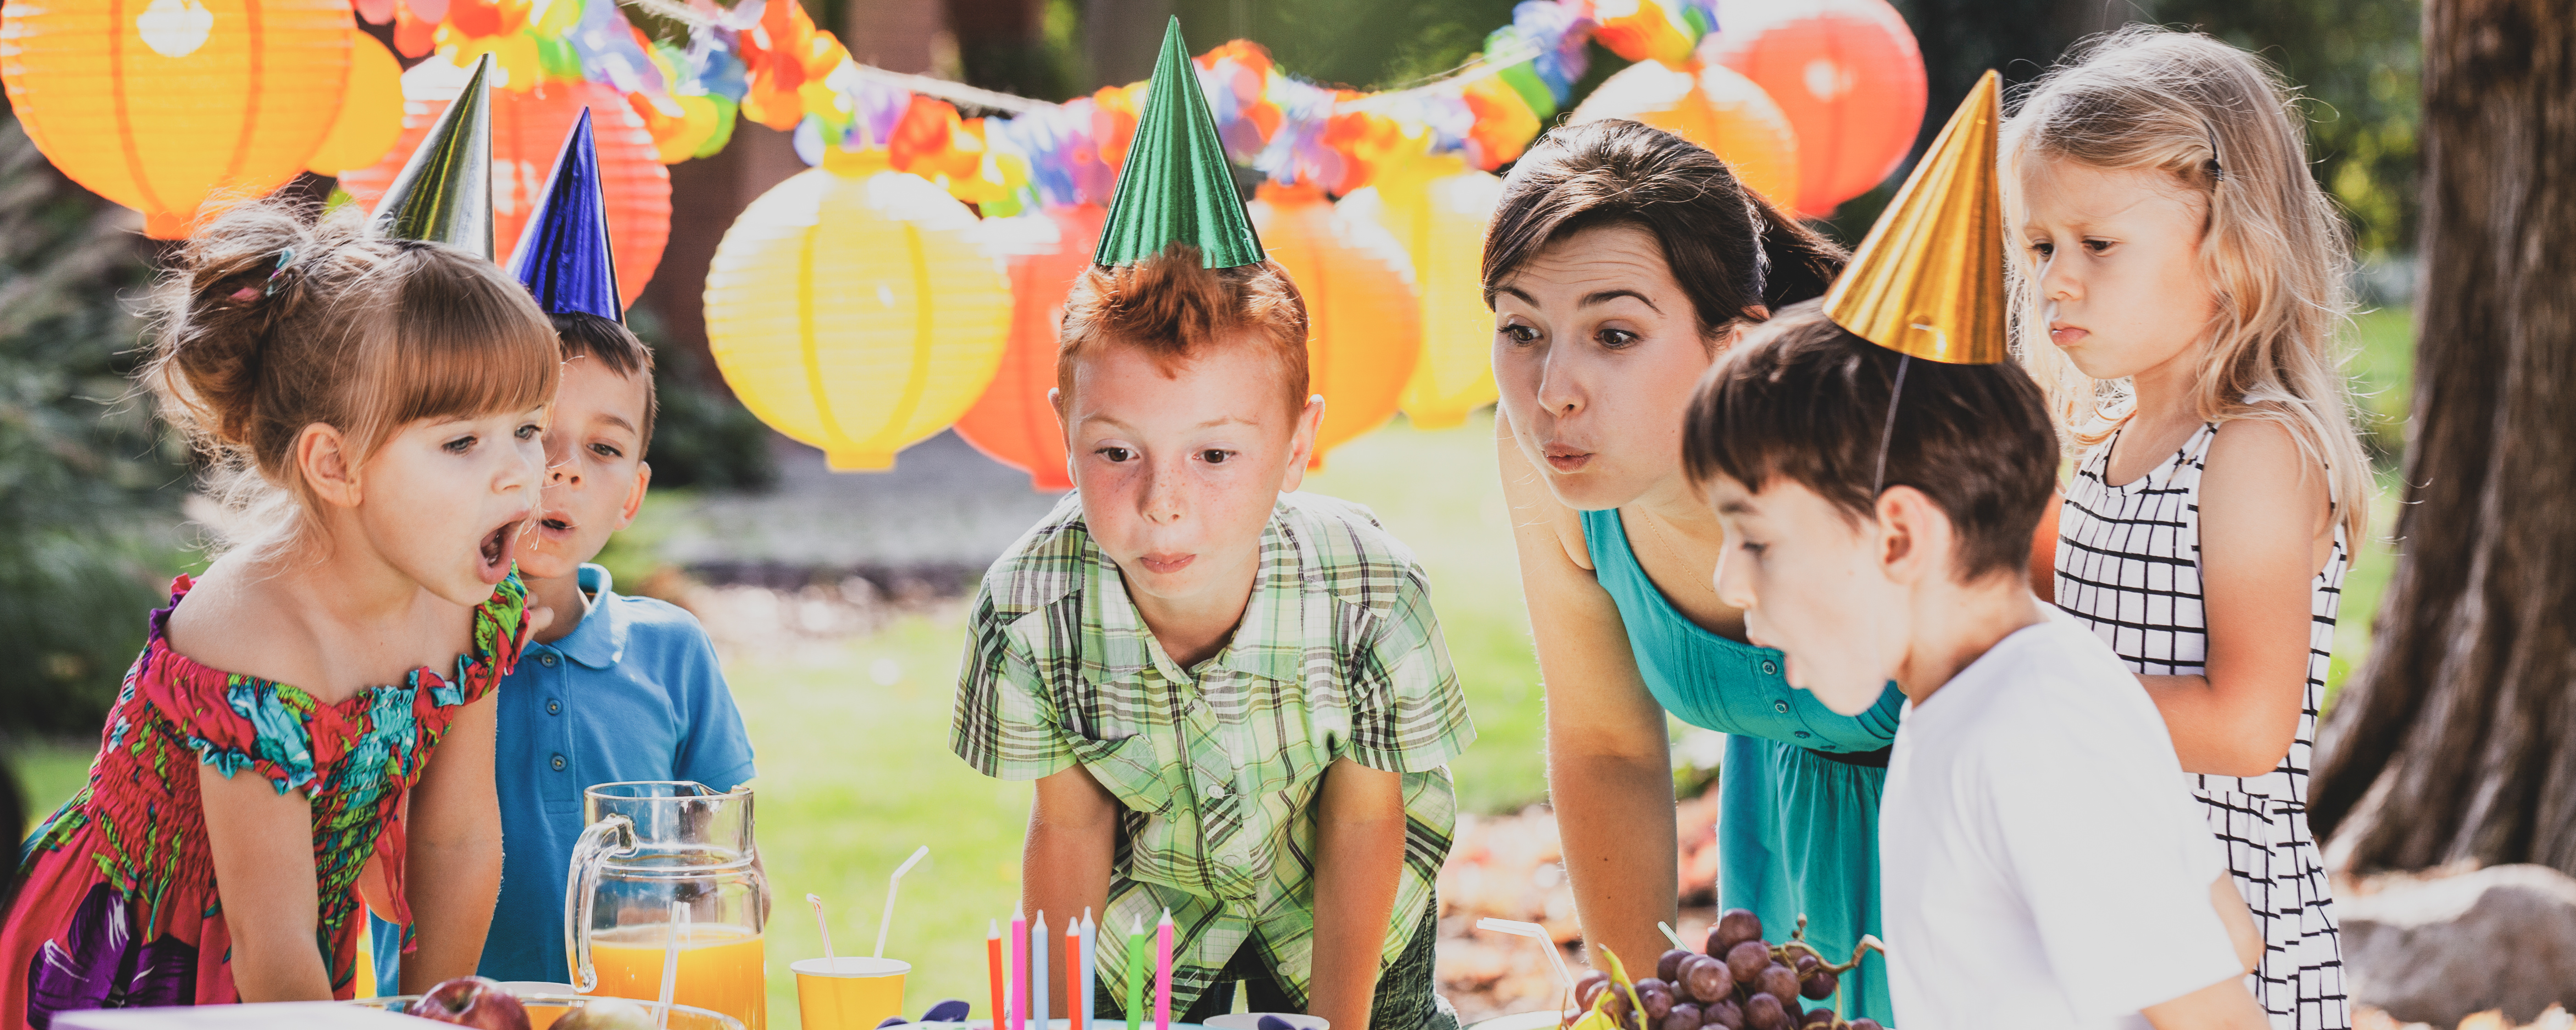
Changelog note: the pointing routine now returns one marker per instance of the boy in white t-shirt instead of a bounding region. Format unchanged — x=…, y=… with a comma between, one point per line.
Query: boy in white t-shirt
x=2041, y=864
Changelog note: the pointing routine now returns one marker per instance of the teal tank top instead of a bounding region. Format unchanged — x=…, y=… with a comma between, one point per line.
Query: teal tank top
x=1797, y=827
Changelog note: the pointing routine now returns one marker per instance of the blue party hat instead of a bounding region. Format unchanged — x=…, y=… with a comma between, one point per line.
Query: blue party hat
x=563, y=254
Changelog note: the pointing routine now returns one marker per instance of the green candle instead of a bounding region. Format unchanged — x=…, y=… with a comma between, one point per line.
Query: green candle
x=1136, y=974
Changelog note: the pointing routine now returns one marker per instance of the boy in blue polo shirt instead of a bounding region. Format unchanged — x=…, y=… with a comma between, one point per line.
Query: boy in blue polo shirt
x=616, y=688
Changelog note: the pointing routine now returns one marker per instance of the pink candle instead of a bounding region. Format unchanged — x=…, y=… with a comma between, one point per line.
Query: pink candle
x=1163, y=972
x=1019, y=971
x=1075, y=991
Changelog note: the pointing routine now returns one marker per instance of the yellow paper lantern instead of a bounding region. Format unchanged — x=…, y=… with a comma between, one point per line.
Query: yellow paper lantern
x=850, y=308
x=1715, y=107
x=371, y=111
x=1364, y=321
x=1437, y=207
x=176, y=107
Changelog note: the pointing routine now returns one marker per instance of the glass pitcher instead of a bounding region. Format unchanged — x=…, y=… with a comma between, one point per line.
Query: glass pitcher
x=666, y=865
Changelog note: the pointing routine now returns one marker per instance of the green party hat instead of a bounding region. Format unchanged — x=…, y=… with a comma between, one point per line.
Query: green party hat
x=1177, y=186
x=444, y=194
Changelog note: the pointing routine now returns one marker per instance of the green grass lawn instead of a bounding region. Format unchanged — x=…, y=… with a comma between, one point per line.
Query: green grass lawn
x=852, y=736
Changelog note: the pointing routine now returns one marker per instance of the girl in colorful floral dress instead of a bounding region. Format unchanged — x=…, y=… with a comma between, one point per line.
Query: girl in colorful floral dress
x=369, y=409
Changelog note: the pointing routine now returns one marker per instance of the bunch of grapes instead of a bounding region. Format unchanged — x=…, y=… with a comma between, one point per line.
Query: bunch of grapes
x=1742, y=983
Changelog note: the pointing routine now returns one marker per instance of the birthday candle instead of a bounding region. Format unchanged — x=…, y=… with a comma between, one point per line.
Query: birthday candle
x=993, y=962
x=1073, y=972
x=1136, y=973
x=1038, y=972
x=1019, y=970
x=1090, y=940
x=1163, y=972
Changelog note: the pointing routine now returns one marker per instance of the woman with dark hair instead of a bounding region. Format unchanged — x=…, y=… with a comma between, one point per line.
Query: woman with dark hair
x=1622, y=261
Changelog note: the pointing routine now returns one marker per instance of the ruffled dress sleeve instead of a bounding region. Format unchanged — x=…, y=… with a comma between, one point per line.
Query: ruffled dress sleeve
x=500, y=629
x=232, y=722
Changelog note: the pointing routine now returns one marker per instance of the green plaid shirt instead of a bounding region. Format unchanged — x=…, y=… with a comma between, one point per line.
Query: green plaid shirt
x=1338, y=655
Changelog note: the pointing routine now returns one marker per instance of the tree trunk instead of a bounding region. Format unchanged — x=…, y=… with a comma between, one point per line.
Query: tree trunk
x=2457, y=741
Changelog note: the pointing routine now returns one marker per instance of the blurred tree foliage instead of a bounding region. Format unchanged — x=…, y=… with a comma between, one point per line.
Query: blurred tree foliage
x=2356, y=62
x=89, y=492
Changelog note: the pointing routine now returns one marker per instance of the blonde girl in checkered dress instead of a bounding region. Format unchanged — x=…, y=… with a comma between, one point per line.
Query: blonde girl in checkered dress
x=2179, y=281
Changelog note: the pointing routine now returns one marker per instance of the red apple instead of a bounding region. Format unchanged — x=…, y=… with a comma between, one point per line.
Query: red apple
x=473, y=1001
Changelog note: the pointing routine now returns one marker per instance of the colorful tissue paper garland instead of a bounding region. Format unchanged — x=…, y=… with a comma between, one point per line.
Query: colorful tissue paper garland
x=766, y=61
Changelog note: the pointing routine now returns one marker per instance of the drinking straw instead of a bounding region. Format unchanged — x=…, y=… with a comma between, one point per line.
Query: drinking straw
x=1090, y=978
x=887, y=919
x=1163, y=972
x=1038, y=972
x=671, y=959
x=1136, y=975
x=822, y=926
x=993, y=963
x=1019, y=970
x=1669, y=935
x=1533, y=931
x=1073, y=963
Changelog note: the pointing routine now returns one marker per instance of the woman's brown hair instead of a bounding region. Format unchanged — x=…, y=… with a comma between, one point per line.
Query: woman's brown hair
x=271, y=322
x=1728, y=247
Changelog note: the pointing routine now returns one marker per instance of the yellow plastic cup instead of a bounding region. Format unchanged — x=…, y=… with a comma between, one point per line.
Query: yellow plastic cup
x=848, y=992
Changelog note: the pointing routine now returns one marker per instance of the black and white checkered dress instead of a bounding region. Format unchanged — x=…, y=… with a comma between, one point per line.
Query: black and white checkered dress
x=2128, y=562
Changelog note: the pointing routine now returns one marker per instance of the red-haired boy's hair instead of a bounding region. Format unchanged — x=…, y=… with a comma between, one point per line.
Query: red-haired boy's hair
x=1173, y=309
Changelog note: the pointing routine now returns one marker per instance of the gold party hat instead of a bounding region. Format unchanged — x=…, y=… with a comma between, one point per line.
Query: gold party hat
x=1929, y=280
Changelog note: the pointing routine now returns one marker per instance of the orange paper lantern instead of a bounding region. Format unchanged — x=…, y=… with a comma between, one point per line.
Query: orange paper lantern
x=1364, y=319
x=176, y=107
x=528, y=128
x=1713, y=106
x=1012, y=422
x=1847, y=75
x=370, y=120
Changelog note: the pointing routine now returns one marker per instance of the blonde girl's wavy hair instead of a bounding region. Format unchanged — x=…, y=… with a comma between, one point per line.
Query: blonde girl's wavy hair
x=2219, y=121
x=269, y=322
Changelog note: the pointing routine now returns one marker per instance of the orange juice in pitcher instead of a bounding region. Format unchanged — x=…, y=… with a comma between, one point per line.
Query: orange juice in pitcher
x=720, y=968
x=657, y=854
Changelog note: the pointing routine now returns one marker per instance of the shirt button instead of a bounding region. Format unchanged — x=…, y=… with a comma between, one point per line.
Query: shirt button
x=1769, y=667
x=547, y=660
x=1216, y=791
x=559, y=763
x=554, y=707
x=1781, y=707
x=1802, y=734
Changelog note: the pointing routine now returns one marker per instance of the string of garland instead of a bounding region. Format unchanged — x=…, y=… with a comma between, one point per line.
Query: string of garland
x=764, y=60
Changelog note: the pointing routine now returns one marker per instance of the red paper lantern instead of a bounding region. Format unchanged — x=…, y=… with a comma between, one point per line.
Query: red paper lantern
x=1012, y=422
x=1848, y=76
x=527, y=130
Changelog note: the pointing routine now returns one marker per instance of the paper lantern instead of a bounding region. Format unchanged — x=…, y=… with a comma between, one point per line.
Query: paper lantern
x=1012, y=422
x=1437, y=207
x=1713, y=106
x=527, y=128
x=1364, y=319
x=1847, y=75
x=850, y=308
x=370, y=120
x=176, y=107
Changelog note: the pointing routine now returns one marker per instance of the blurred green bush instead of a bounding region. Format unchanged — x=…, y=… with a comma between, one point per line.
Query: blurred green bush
x=89, y=491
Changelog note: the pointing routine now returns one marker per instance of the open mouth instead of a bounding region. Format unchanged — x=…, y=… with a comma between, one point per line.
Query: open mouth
x=498, y=546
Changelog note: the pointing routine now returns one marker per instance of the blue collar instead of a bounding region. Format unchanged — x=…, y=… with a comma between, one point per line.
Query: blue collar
x=600, y=640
